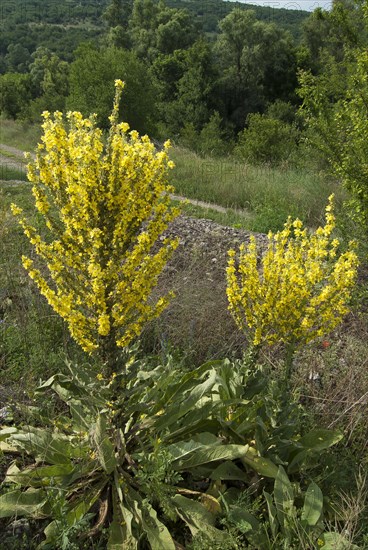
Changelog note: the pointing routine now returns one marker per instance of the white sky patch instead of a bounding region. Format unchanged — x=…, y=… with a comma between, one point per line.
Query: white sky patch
x=305, y=5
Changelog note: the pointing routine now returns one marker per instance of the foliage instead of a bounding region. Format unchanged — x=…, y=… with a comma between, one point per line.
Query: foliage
x=209, y=141
x=257, y=64
x=14, y=93
x=92, y=76
x=105, y=209
x=340, y=128
x=140, y=459
x=302, y=290
x=266, y=140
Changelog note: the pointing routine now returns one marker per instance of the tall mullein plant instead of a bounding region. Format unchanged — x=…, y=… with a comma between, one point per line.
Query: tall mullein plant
x=298, y=291
x=105, y=207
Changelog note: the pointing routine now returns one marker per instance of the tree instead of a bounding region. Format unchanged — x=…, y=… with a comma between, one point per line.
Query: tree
x=155, y=28
x=257, y=62
x=186, y=82
x=328, y=34
x=337, y=117
x=49, y=84
x=117, y=16
x=92, y=77
x=14, y=93
x=117, y=13
x=17, y=59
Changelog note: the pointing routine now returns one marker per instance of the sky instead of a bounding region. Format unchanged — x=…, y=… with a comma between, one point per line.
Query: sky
x=308, y=5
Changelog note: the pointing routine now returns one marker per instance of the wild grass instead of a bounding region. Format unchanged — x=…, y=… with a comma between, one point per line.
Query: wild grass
x=24, y=136
x=9, y=172
x=269, y=194
x=33, y=339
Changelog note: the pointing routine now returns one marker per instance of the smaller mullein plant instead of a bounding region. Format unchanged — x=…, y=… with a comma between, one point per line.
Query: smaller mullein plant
x=298, y=291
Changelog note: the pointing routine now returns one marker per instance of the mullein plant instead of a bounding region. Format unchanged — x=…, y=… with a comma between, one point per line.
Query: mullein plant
x=298, y=291
x=105, y=206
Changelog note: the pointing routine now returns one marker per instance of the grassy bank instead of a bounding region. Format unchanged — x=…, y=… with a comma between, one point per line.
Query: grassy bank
x=270, y=194
x=24, y=136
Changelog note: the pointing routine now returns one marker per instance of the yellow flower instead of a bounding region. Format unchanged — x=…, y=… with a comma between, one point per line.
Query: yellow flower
x=96, y=198
x=301, y=290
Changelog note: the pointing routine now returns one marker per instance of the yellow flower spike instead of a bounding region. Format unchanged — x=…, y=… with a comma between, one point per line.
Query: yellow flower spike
x=301, y=290
x=96, y=199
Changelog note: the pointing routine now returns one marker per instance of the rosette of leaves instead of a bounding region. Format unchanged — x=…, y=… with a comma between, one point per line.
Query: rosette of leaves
x=172, y=450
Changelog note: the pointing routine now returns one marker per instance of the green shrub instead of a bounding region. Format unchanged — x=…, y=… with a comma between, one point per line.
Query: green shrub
x=266, y=141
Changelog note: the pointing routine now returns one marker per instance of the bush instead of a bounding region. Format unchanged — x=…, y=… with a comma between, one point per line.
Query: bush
x=266, y=141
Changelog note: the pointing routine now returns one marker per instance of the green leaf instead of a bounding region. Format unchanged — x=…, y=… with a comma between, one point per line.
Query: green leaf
x=120, y=533
x=228, y=470
x=335, y=541
x=40, y=476
x=157, y=534
x=190, y=403
x=7, y=432
x=81, y=418
x=313, y=505
x=297, y=460
x=192, y=454
x=28, y=503
x=263, y=466
x=239, y=515
x=272, y=514
x=318, y=440
x=46, y=446
x=198, y=518
x=105, y=450
x=284, y=496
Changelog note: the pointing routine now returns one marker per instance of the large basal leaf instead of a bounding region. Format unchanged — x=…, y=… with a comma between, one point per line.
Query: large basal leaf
x=104, y=447
x=313, y=442
x=239, y=515
x=27, y=503
x=192, y=454
x=198, y=518
x=313, y=505
x=82, y=419
x=272, y=514
x=335, y=541
x=229, y=471
x=318, y=440
x=46, y=446
x=298, y=459
x=40, y=476
x=157, y=534
x=209, y=425
x=120, y=531
x=191, y=402
x=197, y=420
x=5, y=433
x=188, y=381
x=263, y=466
x=284, y=496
